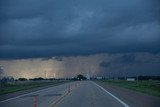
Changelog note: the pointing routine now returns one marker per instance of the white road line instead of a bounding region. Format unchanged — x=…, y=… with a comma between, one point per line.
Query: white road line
x=24, y=95
x=123, y=103
x=58, y=100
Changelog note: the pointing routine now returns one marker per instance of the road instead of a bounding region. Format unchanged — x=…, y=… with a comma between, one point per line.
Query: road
x=89, y=94
x=44, y=97
x=74, y=94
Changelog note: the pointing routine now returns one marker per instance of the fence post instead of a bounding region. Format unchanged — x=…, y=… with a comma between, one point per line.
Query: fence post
x=35, y=101
x=69, y=88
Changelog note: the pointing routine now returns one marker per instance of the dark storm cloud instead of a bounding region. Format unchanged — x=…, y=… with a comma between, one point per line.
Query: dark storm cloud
x=131, y=64
x=58, y=58
x=30, y=29
x=127, y=59
x=123, y=59
x=105, y=64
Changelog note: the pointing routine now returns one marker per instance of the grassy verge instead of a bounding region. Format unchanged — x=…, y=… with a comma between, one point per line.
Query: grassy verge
x=14, y=87
x=150, y=87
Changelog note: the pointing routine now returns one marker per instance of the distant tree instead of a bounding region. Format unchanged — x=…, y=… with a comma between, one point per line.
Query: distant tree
x=148, y=77
x=22, y=79
x=74, y=79
x=81, y=77
x=11, y=79
x=39, y=78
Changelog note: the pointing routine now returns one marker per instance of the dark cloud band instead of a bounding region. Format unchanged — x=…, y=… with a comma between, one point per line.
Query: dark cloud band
x=31, y=29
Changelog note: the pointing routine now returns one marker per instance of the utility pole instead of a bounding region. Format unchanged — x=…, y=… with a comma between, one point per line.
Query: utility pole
x=45, y=74
x=1, y=72
x=137, y=79
x=54, y=75
x=125, y=72
x=108, y=74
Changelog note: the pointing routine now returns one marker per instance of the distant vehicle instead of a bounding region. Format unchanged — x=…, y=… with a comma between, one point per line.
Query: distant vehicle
x=99, y=78
x=130, y=79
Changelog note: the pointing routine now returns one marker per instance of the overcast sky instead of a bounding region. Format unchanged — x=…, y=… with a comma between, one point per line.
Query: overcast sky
x=31, y=29
x=37, y=28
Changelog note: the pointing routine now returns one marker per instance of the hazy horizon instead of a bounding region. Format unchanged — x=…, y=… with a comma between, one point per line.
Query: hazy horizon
x=113, y=65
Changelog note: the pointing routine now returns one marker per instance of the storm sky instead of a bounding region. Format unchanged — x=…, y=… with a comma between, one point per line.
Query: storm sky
x=33, y=30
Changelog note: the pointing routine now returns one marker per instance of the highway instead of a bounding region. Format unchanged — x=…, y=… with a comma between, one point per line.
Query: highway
x=90, y=94
x=44, y=97
x=73, y=94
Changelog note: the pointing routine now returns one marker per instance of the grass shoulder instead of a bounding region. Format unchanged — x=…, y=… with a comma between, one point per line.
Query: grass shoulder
x=19, y=86
x=150, y=87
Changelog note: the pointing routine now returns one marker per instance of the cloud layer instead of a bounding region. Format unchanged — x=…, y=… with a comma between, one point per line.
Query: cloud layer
x=32, y=29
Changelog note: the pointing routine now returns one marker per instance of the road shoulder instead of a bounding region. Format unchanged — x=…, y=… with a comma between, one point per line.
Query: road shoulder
x=133, y=98
x=18, y=93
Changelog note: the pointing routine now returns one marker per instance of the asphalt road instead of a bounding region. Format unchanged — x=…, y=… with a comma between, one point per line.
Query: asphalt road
x=89, y=94
x=82, y=94
x=44, y=97
x=74, y=94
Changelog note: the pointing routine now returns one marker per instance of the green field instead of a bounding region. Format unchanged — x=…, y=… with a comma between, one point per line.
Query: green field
x=14, y=87
x=150, y=87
